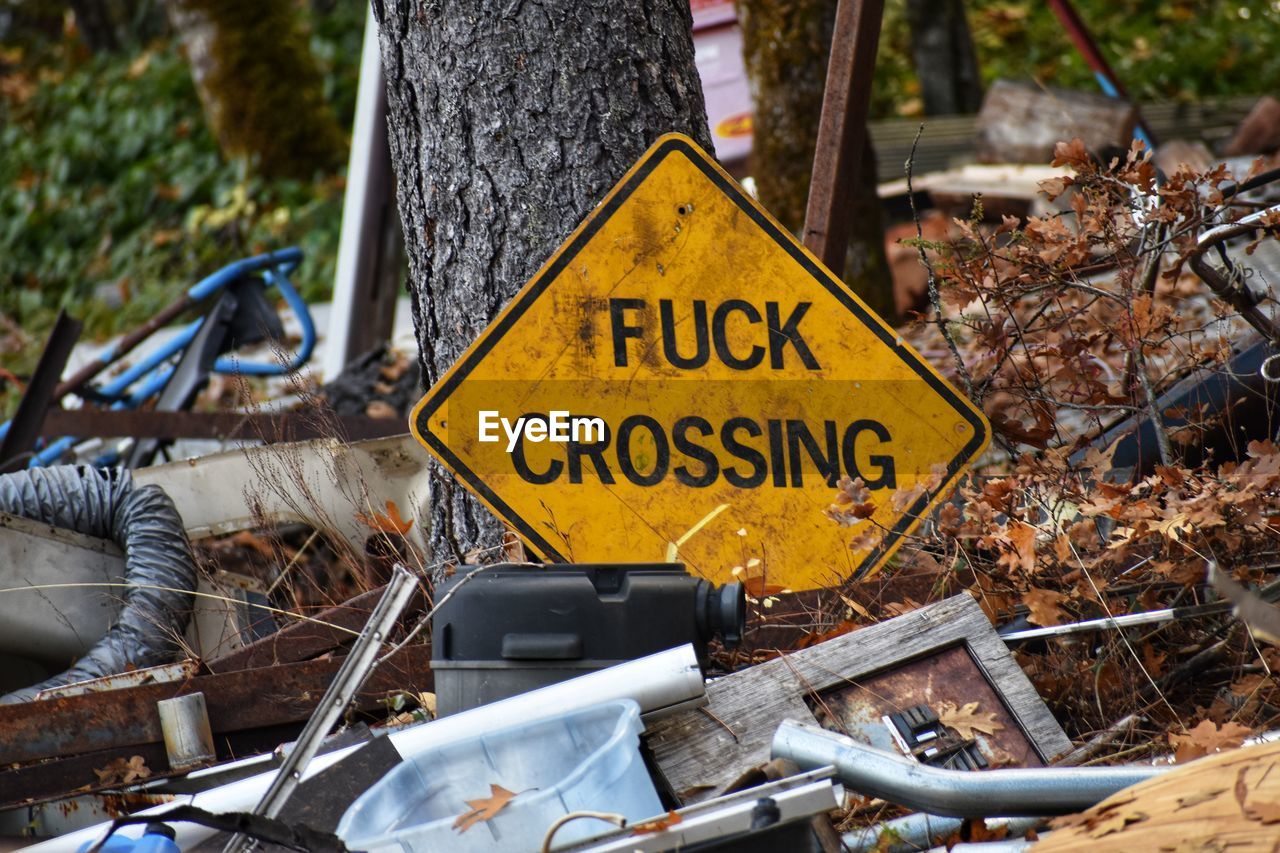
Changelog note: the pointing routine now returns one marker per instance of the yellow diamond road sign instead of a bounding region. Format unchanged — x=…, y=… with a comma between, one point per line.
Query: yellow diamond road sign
x=682, y=370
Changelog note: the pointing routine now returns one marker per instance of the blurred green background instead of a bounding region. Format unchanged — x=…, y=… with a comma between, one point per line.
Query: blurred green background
x=114, y=197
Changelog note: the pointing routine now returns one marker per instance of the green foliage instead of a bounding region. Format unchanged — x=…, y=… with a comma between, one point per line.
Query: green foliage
x=1161, y=49
x=114, y=199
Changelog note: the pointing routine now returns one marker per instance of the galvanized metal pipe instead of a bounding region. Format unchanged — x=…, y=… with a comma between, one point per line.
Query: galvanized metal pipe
x=955, y=793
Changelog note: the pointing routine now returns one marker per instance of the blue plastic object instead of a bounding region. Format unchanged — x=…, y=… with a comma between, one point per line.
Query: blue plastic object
x=143, y=380
x=158, y=838
x=585, y=760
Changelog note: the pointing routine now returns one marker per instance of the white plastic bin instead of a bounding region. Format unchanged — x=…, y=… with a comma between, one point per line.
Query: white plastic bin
x=584, y=760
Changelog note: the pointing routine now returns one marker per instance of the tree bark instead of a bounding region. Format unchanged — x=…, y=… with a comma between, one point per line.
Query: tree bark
x=942, y=52
x=786, y=47
x=262, y=92
x=508, y=122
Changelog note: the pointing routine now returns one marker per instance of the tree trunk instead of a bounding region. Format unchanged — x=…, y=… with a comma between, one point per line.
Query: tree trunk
x=509, y=121
x=943, y=54
x=786, y=47
x=262, y=92
x=97, y=28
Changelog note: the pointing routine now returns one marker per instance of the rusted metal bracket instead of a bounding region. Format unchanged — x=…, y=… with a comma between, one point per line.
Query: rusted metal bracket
x=291, y=426
x=238, y=701
x=41, y=391
x=842, y=130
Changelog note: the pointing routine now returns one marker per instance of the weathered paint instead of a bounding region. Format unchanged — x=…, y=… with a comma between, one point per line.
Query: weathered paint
x=769, y=364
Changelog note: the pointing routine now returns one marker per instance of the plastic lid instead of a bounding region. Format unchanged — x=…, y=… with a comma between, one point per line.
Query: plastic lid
x=157, y=828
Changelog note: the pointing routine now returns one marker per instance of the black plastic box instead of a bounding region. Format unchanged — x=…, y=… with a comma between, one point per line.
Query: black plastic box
x=513, y=628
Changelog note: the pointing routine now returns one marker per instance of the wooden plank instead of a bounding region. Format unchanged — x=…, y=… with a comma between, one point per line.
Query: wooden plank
x=699, y=753
x=303, y=640
x=948, y=141
x=1224, y=801
x=237, y=701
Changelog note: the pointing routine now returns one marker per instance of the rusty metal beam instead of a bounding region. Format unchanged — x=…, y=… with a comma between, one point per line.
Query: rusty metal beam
x=238, y=701
x=303, y=640
x=292, y=426
x=842, y=130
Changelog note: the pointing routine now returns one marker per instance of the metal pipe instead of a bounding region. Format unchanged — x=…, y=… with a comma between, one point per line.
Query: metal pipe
x=955, y=793
x=352, y=674
x=661, y=683
x=920, y=831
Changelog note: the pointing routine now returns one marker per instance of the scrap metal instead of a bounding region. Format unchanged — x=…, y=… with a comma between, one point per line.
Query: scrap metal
x=1016, y=792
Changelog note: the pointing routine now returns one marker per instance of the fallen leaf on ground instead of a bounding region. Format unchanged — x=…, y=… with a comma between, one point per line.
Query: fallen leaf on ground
x=1045, y=607
x=966, y=720
x=482, y=810
x=123, y=771
x=658, y=824
x=1207, y=738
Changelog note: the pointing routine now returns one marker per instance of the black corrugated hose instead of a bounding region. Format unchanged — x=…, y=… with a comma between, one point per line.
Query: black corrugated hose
x=159, y=567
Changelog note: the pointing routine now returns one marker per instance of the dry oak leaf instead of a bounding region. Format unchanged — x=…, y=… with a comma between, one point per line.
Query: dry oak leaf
x=1045, y=606
x=389, y=523
x=123, y=772
x=1023, y=539
x=1207, y=738
x=966, y=720
x=482, y=810
x=658, y=824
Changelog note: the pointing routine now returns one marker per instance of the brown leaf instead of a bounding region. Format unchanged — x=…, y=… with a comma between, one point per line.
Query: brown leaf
x=1054, y=187
x=1023, y=539
x=1044, y=605
x=485, y=809
x=1207, y=738
x=966, y=720
x=1071, y=153
x=389, y=523
x=123, y=771
x=658, y=824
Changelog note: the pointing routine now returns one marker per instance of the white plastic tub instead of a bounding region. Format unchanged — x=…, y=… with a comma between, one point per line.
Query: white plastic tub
x=584, y=760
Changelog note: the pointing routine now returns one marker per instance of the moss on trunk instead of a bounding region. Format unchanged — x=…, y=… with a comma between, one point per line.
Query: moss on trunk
x=262, y=92
x=786, y=45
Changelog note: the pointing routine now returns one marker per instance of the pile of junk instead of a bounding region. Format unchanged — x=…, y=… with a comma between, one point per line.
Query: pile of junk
x=512, y=706
x=560, y=707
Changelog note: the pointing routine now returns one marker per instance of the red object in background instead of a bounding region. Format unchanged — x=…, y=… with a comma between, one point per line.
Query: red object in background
x=717, y=44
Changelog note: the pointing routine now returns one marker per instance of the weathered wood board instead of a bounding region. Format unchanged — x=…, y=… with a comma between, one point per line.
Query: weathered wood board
x=699, y=753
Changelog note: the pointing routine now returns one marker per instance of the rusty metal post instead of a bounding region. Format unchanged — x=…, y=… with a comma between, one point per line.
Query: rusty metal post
x=842, y=130
x=42, y=391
